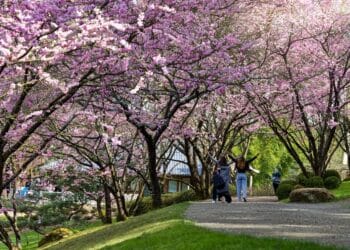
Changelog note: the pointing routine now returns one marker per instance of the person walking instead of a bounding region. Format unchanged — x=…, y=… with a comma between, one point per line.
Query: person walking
x=218, y=182
x=276, y=179
x=242, y=166
x=223, y=170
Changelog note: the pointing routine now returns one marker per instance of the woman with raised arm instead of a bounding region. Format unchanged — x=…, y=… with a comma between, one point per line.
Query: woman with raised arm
x=242, y=166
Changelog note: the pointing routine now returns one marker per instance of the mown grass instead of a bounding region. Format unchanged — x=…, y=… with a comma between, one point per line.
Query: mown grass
x=343, y=192
x=184, y=235
x=167, y=229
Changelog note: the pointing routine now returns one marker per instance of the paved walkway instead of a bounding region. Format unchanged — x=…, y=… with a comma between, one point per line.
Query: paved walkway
x=325, y=223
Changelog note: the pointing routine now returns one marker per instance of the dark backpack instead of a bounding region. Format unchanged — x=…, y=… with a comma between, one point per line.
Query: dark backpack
x=218, y=181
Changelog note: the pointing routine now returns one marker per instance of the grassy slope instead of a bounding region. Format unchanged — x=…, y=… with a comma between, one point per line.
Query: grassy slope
x=166, y=229
x=343, y=192
x=30, y=238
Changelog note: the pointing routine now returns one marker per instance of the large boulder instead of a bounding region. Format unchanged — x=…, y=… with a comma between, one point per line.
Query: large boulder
x=311, y=195
x=55, y=235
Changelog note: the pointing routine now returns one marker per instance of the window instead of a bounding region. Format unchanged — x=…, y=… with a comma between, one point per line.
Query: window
x=172, y=187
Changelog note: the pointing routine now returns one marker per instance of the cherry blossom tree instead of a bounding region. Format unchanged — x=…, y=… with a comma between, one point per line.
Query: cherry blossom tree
x=107, y=145
x=301, y=75
x=35, y=81
x=176, y=54
x=215, y=127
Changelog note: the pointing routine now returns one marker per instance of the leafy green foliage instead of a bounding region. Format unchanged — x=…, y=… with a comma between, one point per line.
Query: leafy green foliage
x=232, y=190
x=331, y=172
x=283, y=190
x=302, y=179
x=145, y=205
x=332, y=182
x=314, y=181
x=55, y=211
x=290, y=181
x=271, y=152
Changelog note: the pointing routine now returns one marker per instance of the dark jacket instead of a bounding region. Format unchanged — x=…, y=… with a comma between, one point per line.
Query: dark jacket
x=246, y=166
x=225, y=172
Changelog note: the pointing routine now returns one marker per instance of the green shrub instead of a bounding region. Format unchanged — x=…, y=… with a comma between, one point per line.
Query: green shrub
x=290, y=182
x=302, y=179
x=332, y=182
x=170, y=199
x=315, y=181
x=263, y=189
x=145, y=205
x=331, y=172
x=77, y=217
x=284, y=190
x=309, y=174
x=232, y=189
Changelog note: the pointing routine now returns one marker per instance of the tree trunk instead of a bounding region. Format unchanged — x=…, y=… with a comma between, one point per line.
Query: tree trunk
x=4, y=235
x=152, y=167
x=123, y=204
x=207, y=178
x=108, y=205
x=99, y=209
x=5, y=238
x=193, y=167
x=135, y=204
x=115, y=189
x=121, y=215
x=318, y=166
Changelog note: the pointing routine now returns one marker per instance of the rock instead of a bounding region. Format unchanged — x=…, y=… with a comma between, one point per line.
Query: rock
x=55, y=235
x=298, y=186
x=86, y=209
x=311, y=195
x=88, y=216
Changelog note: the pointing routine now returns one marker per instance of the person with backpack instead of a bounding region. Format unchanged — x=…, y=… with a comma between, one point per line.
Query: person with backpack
x=221, y=179
x=242, y=166
x=218, y=183
x=276, y=179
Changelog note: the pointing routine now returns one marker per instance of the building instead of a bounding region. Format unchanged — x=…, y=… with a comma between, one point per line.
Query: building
x=177, y=173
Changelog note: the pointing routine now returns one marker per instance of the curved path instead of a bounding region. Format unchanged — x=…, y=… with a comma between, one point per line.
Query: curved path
x=327, y=223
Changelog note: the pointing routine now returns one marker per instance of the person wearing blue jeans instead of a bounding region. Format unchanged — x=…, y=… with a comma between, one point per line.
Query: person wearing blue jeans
x=241, y=185
x=242, y=166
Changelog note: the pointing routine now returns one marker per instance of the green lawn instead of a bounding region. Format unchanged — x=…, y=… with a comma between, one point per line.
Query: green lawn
x=166, y=229
x=343, y=192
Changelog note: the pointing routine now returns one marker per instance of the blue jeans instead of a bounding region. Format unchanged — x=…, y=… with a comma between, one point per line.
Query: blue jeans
x=241, y=185
x=23, y=192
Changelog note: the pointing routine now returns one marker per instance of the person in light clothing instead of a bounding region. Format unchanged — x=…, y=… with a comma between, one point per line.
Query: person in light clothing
x=242, y=166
